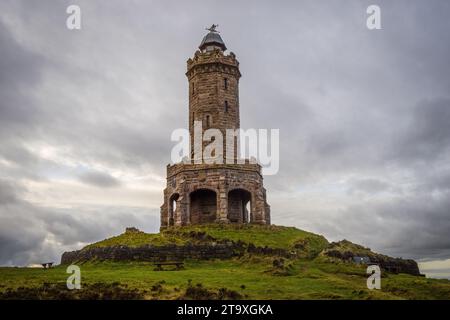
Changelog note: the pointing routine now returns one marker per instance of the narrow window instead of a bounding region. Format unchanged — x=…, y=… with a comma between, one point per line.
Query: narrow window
x=207, y=121
x=193, y=119
x=193, y=88
x=225, y=83
x=226, y=106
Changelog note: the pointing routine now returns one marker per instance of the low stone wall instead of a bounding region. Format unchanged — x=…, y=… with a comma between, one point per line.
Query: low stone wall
x=151, y=253
x=225, y=250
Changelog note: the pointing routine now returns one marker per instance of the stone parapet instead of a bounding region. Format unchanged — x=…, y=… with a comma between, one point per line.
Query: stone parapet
x=174, y=169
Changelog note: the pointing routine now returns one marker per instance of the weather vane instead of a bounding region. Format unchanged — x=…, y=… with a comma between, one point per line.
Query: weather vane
x=213, y=28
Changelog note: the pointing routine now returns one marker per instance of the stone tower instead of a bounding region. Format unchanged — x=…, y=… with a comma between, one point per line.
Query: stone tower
x=198, y=192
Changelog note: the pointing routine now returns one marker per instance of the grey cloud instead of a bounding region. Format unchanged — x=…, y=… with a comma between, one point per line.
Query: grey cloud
x=427, y=135
x=99, y=179
x=24, y=119
x=434, y=180
x=413, y=227
x=20, y=72
x=369, y=185
x=32, y=234
x=8, y=192
x=409, y=227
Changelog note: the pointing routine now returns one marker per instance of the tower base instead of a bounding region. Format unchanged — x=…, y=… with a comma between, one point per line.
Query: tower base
x=214, y=193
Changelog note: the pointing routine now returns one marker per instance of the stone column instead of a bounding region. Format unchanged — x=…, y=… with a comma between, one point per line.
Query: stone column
x=222, y=201
x=258, y=207
x=182, y=212
x=164, y=212
x=163, y=216
x=267, y=213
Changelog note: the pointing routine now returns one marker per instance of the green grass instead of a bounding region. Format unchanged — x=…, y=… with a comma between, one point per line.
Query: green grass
x=251, y=277
x=259, y=235
x=136, y=239
x=308, y=276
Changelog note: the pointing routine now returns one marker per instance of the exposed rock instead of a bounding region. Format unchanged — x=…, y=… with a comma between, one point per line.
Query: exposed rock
x=132, y=230
x=346, y=250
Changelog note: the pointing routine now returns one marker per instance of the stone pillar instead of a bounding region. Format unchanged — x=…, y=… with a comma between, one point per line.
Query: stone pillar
x=258, y=207
x=267, y=212
x=180, y=214
x=222, y=201
x=184, y=207
x=165, y=210
x=163, y=214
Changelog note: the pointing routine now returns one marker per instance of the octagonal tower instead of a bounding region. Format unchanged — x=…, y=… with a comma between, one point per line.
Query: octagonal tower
x=198, y=192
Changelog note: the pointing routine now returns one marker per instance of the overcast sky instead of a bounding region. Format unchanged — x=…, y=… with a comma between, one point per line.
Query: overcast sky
x=364, y=117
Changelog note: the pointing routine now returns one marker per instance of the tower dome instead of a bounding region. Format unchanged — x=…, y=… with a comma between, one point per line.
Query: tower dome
x=212, y=40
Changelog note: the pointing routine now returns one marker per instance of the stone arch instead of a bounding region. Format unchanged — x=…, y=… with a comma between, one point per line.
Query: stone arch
x=202, y=206
x=172, y=208
x=240, y=206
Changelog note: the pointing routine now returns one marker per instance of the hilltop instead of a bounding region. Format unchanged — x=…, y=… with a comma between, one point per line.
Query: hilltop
x=202, y=242
x=224, y=262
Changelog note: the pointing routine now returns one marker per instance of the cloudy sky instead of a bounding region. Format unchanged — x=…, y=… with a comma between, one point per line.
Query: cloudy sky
x=364, y=118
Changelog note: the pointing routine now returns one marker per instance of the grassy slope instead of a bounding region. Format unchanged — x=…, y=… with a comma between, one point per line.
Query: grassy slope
x=251, y=276
x=261, y=236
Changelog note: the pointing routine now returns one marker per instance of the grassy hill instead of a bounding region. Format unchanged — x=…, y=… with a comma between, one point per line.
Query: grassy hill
x=309, y=274
x=276, y=237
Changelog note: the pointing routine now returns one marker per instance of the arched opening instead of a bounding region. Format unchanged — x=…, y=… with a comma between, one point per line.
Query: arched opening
x=203, y=206
x=172, y=208
x=239, y=206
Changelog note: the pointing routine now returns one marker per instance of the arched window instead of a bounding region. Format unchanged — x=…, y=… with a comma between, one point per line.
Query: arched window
x=208, y=120
x=226, y=106
x=193, y=88
x=225, y=83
